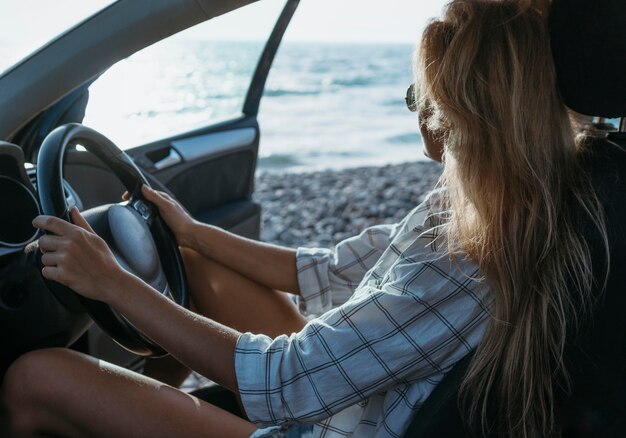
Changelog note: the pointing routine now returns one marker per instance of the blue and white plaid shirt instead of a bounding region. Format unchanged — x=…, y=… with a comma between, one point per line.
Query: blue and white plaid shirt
x=396, y=312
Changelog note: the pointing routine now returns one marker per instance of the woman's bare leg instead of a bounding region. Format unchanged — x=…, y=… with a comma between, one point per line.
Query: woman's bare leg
x=238, y=302
x=63, y=393
x=230, y=298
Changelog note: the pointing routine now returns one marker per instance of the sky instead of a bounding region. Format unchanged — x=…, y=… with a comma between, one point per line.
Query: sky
x=364, y=20
x=26, y=25
x=343, y=20
x=31, y=23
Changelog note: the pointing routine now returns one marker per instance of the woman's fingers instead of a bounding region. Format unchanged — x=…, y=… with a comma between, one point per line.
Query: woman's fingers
x=53, y=225
x=75, y=256
x=49, y=243
x=51, y=273
x=174, y=214
x=59, y=227
x=79, y=220
x=51, y=259
x=148, y=193
x=154, y=196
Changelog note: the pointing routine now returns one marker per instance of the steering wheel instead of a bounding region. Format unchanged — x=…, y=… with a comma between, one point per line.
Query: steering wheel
x=137, y=235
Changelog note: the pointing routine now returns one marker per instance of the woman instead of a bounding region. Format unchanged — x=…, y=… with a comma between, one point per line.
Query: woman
x=486, y=262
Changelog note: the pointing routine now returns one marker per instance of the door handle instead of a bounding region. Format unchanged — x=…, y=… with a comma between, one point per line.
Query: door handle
x=172, y=159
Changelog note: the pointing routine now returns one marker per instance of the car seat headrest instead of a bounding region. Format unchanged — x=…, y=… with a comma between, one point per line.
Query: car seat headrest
x=589, y=48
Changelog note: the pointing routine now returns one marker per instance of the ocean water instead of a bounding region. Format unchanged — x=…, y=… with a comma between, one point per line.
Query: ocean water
x=335, y=106
x=325, y=105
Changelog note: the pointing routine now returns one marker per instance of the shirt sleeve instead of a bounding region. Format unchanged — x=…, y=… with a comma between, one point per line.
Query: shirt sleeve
x=327, y=278
x=414, y=326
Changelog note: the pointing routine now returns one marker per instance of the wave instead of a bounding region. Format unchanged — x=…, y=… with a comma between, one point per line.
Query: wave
x=278, y=161
x=279, y=92
x=358, y=81
x=395, y=103
x=406, y=138
x=335, y=153
x=328, y=86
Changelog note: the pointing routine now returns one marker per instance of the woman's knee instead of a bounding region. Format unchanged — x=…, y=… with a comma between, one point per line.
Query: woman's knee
x=27, y=385
x=196, y=265
x=197, y=270
x=36, y=371
x=191, y=258
x=204, y=275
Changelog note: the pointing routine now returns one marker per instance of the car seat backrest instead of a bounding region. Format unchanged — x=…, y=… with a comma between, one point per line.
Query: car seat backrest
x=589, y=48
x=596, y=356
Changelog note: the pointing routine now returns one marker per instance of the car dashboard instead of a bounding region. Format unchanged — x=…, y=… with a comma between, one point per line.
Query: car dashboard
x=33, y=313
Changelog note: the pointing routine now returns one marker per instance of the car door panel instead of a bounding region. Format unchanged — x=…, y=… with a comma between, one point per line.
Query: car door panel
x=221, y=163
x=214, y=178
x=214, y=145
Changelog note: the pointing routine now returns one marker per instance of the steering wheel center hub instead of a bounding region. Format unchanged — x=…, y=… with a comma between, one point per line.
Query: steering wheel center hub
x=134, y=247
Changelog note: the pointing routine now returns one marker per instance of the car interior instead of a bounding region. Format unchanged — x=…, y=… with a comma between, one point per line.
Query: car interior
x=50, y=162
x=220, y=158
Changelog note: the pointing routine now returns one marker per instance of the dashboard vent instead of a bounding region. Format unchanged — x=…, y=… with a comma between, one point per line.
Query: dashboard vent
x=70, y=195
x=32, y=176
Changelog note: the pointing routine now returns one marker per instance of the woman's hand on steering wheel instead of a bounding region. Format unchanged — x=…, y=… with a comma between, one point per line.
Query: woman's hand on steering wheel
x=75, y=256
x=177, y=218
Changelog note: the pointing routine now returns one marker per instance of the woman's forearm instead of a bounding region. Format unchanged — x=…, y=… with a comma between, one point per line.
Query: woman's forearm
x=198, y=342
x=75, y=256
x=270, y=265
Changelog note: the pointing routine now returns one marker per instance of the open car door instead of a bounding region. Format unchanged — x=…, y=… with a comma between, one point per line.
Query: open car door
x=208, y=166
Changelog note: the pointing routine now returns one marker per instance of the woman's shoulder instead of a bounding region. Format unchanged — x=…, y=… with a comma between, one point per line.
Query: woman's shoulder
x=432, y=212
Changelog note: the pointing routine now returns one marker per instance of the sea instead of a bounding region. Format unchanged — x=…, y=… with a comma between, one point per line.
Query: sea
x=325, y=106
x=337, y=106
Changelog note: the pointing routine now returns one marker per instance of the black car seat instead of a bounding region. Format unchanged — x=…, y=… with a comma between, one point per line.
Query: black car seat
x=589, y=47
x=596, y=405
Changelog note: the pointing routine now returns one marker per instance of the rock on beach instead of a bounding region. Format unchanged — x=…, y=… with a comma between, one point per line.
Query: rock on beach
x=319, y=209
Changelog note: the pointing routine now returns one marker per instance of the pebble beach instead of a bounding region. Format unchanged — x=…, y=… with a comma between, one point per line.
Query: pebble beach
x=319, y=209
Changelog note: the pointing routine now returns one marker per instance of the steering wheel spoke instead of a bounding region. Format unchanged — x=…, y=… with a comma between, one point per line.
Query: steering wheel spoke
x=143, y=208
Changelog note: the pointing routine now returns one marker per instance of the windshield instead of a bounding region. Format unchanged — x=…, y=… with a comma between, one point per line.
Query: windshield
x=29, y=24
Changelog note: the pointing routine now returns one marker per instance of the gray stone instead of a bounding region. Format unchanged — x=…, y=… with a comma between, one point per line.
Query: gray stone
x=323, y=208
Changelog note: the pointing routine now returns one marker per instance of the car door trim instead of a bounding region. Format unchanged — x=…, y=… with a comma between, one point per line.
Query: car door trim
x=211, y=145
x=255, y=92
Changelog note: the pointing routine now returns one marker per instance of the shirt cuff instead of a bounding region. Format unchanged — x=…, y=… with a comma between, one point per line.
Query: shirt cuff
x=315, y=295
x=259, y=401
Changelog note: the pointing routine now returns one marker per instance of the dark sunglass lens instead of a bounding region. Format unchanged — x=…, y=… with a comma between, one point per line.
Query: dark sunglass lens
x=410, y=98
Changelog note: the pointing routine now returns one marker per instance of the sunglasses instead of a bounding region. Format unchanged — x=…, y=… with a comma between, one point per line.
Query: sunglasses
x=411, y=103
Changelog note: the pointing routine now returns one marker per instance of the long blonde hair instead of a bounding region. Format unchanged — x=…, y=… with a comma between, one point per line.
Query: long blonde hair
x=512, y=166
